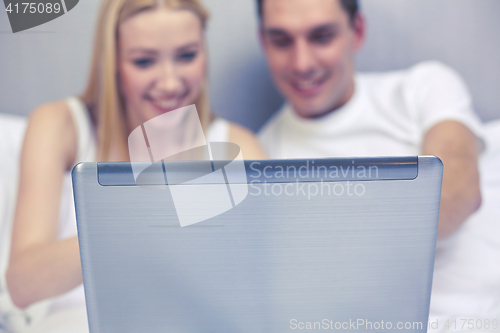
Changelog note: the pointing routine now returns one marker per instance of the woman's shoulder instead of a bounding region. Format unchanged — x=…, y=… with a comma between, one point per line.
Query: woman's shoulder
x=238, y=131
x=51, y=128
x=54, y=115
x=247, y=141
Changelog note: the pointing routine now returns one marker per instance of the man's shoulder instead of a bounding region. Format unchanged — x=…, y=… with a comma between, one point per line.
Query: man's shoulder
x=420, y=71
x=433, y=70
x=412, y=83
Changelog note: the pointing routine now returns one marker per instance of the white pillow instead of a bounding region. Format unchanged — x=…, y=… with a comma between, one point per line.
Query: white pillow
x=11, y=137
x=490, y=161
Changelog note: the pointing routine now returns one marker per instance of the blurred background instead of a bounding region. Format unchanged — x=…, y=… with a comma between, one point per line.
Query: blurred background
x=51, y=61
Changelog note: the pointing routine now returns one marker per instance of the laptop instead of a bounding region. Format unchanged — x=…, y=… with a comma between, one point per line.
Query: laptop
x=263, y=246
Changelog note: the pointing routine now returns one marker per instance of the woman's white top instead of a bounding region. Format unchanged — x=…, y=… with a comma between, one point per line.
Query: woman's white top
x=86, y=152
x=87, y=148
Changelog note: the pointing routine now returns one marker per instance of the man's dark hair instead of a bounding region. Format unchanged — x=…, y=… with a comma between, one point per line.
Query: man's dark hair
x=350, y=6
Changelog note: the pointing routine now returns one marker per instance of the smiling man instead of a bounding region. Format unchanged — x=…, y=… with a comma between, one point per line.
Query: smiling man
x=310, y=46
x=332, y=111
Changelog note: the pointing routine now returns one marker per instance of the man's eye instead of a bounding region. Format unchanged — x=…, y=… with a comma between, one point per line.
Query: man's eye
x=143, y=62
x=324, y=38
x=187, y=56
x=281, y=42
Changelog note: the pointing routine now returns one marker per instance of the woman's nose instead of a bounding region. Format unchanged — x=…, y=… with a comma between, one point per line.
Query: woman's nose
x=168, y=79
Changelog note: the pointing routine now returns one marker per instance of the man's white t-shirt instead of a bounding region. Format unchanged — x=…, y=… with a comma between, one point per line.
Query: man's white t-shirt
x=388, y=115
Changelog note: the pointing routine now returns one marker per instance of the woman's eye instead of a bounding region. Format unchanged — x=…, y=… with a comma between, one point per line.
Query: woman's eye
x=187, y=56
x=143, y=62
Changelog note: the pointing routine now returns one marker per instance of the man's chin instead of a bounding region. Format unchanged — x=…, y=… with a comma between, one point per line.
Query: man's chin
x=310, y=110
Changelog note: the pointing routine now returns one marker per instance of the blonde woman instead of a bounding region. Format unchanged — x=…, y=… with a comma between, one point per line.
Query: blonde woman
x=149, y=58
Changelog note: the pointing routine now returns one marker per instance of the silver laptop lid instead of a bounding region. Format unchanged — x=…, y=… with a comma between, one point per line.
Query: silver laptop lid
x=323, y=244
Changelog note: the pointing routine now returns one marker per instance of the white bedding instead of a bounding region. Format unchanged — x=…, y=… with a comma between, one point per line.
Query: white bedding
x=482, y=298
x=466, y=281
x=11, y=135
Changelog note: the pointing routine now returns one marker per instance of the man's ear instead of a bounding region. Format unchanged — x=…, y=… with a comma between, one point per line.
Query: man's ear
x=359, y=26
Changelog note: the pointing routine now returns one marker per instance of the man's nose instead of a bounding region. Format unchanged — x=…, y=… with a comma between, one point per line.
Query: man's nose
x=303, y=59
x=168, y=79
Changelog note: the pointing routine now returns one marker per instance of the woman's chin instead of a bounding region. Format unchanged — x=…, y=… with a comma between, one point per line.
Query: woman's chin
x=162, y=109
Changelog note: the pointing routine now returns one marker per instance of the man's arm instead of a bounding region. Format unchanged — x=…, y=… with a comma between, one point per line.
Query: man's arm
x=458, y=148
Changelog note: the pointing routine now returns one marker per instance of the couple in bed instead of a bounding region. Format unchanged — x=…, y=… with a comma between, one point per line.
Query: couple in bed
x=150, y=58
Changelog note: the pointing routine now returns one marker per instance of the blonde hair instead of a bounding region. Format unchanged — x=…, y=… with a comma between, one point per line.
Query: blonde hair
x=102, y=94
